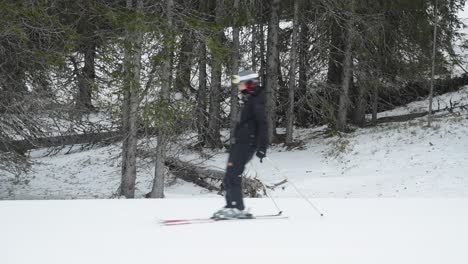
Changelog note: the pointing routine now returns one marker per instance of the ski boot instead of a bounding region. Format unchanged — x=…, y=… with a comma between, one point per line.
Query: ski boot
x=231, y=213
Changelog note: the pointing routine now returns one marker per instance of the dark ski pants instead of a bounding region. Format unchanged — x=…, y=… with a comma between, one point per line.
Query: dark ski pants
x=239, y=155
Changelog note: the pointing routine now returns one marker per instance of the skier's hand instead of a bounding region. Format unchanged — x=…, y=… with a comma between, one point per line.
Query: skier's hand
x=261, y=153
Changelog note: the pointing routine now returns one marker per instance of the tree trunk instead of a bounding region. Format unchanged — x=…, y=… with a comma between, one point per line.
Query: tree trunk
x=202, y=93
x=182, y=80
x=87, y=76
x=358, y=116
x=341, y=124
x=234, y=70
x=292, y=75
x=434, y=46
x=282, y=94
x=347, y=77
x=375, y=104
x=253, y=45
x=272, y=71
x=253, y=28
x=132, y=66
x=302, y=115
x=163, y=133
x=202, y=121
x=159, y=169
x=214, y=123
x=335, y=70
x=261, y=40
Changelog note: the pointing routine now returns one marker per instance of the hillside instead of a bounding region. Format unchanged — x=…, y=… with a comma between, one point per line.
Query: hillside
x=405, y=159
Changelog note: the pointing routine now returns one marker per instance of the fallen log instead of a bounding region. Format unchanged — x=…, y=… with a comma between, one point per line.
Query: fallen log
x=402, y=118
x=276, y=185
x=211, y=179
x=21, y=146
x=407, y=117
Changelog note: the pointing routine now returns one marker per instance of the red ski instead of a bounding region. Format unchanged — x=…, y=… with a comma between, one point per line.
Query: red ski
x=170, y=222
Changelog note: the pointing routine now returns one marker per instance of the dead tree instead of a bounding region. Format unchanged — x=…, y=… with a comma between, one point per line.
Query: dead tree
x=212, y=179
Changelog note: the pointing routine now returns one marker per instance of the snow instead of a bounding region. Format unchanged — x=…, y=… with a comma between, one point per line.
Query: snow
x=84, y=174
x=126, y=231
x=443, y=101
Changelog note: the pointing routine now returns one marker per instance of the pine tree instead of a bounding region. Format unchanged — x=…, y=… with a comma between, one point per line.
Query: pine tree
x=163, y=133
x=131, y=91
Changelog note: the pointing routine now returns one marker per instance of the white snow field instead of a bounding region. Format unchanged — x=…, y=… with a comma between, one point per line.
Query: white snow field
x=360, y=231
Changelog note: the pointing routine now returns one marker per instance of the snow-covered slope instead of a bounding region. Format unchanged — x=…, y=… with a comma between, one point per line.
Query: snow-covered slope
x=404, y=159
x=360, y=231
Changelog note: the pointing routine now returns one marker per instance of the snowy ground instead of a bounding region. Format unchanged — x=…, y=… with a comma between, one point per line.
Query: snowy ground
x=126, y=231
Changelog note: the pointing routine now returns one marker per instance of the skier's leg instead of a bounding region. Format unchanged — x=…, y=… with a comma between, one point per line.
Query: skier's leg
x=227, y=189
x=233, y=179
x=233, y=153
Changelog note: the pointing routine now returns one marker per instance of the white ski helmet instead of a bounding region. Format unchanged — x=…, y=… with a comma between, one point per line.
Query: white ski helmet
x=244, y=76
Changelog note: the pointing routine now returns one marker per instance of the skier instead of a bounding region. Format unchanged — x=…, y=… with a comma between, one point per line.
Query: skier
x=250, y=137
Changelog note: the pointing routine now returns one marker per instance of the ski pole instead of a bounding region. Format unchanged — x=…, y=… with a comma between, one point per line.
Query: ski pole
x=268, y=194
x=294, y=186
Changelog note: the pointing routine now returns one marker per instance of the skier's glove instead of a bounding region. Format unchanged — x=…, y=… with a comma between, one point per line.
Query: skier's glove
x=261, y=153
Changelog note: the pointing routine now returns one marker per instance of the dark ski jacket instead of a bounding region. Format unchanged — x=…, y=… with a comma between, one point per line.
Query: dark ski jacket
x=252, y=126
